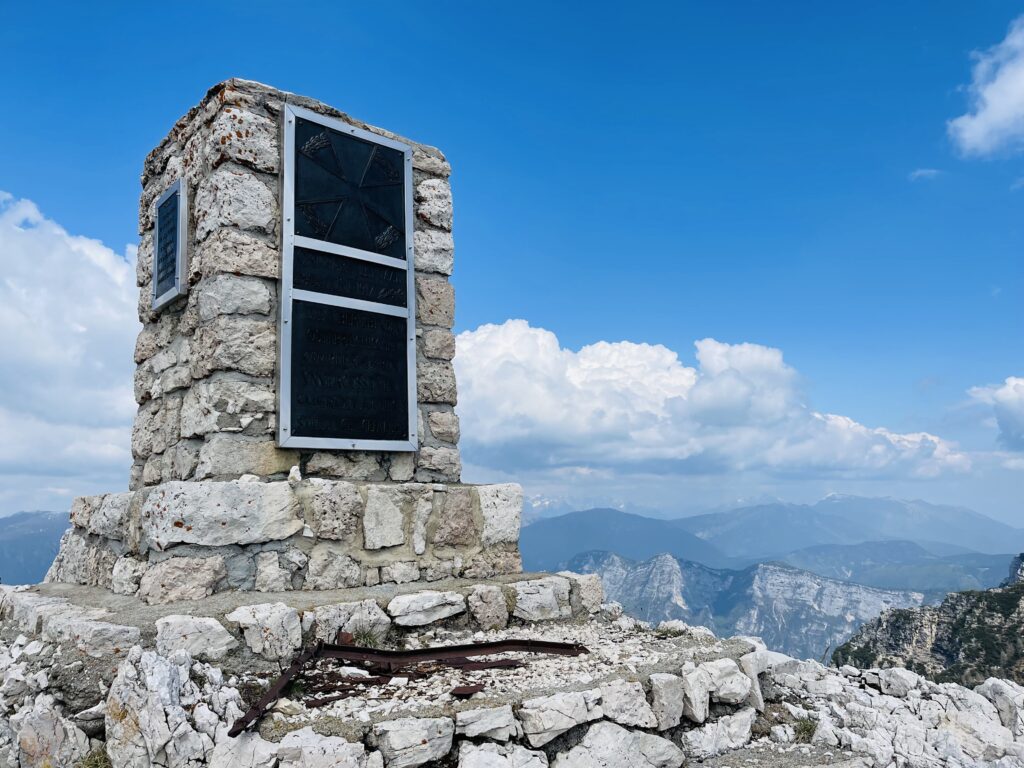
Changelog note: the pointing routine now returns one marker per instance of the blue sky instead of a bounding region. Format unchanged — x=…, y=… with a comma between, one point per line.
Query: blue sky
x=777, y=175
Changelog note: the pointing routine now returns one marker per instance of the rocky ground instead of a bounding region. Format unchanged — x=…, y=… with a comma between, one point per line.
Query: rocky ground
x=81, y=686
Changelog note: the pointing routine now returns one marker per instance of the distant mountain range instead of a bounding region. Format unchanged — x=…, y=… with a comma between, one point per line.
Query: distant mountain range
x=794, y=611
x=28, y=544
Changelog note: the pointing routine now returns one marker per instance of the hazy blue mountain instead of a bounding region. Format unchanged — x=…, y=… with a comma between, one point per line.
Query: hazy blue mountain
x=28, y=544
x=901, y=565
x=549, y=544
x=770, y=531
x=794, y=611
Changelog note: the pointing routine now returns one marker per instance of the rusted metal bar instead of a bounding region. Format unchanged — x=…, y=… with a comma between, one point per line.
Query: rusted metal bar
x=456, y=656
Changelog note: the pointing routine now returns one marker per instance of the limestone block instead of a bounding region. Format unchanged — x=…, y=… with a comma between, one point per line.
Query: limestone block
x=542, y=599
x=401, y=572
x=488, y=607
x=496, y=723
x=270, y=576
x=1008, y=698
x=202, y=637
x=667, y=700
x=898, y=681
x=247, y=750
x=231, y=251
x=306, y=749
x=230, y=295
x=754, y=664
x=435, y=301
x=612, y=746
x=434, y=203
x=626, y=704
x=697, y=686
x=444, y=461
x=95, y=638
x=444, y=425
x=82, y=509
x=419, y=608
x=330, y=568
x=435, y=251
x=383, y=521
x=348, y=465
x=232, y=197
x=413, y=741
x=729, y=732
x=430, y=160
x=79, y=562
x=127, y=575
x=224, y=405
x=182, y=578
x=457, y=525
x=586, y=592
x=44, y=739
x=501, y=507
x=499, y=756
x=234, y=343
x=356, y=618
x=401, y=467
x=547, y=717
x=334, y=508
x=233, y=456
x=111, y=518
x=435, y=382
x=244, y=137
x=272, y=630
x=729, y=685
x=422, y=508
x=219, y=513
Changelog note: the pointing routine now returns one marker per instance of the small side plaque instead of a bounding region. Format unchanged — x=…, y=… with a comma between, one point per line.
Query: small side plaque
x=169, y=240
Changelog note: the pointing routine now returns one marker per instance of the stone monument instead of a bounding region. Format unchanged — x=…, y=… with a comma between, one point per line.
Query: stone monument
x=264, y=212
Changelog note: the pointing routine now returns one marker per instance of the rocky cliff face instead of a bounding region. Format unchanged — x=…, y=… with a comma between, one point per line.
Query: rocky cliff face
x=1016, y=571
x=969, y=637
x=794, y=611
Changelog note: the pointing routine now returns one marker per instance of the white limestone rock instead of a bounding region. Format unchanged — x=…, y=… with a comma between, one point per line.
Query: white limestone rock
x=435, y=251
x=110, y=519
x=499, y=756
x=729, y=685
x=247, y=750
x=626, y=704
x=335, y=508
x=224, y=405
x=410, y=741
x=128, y=573
x=219, y=513
x=270, y=576
x=182, y=578
x=434, y=203
x=233, y=295
x=607, y=745
x=231, y=197
x=330, y=568
x=488, y=606
x=383, y=521
x=45, y=739
x=729, y=732
x=697, y=686
x=546, y=717
x=586, y=592
x=667, y=699
x=272, y=630
x=202, y=637
x=497, y=723
x=99, y=639
x=426, y=607
x=898, y=681
x=501, y=507
x=1008, y=699
x=542, y=599
x=755, y=664
x=306, y=749
x=402, y=572
x=361, y=617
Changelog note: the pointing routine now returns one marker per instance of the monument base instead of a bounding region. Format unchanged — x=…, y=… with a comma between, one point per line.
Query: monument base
x=188, y=540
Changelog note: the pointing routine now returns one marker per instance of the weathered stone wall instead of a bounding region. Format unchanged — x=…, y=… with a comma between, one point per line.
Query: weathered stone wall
x=188, y=540
x=205, y=370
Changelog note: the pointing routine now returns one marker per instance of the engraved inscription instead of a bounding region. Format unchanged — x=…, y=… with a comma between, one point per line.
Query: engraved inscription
x=166, y=251
x=349, y=374
x=354, y=278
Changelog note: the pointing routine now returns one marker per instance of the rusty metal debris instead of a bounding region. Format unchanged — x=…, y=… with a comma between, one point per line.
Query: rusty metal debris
x=380, y=667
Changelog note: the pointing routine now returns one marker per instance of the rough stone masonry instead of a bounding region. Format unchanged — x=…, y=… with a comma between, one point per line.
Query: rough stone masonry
x=214, y=503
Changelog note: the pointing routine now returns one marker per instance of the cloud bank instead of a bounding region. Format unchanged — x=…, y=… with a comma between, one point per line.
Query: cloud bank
x=527, y=403
x=1007, y=402
x=995, y=120
x=68, y=314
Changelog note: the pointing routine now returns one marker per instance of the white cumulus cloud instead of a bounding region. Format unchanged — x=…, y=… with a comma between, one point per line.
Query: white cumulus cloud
x=995, y=120
x=526, y=402
x=1007, y=402
x=68, y=314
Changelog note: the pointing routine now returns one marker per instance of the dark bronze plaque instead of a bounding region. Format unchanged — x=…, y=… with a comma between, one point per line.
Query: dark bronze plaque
x=324, y=272
x=349, y=191
x=348, y=374
x=165, y=262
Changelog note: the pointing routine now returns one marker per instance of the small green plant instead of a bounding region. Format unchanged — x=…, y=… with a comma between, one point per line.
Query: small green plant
x=95, y=759
x=367, y=637
x=805, y=730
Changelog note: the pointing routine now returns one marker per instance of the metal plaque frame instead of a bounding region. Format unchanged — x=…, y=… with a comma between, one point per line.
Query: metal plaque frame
x=181, y=260
x=289, y=294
